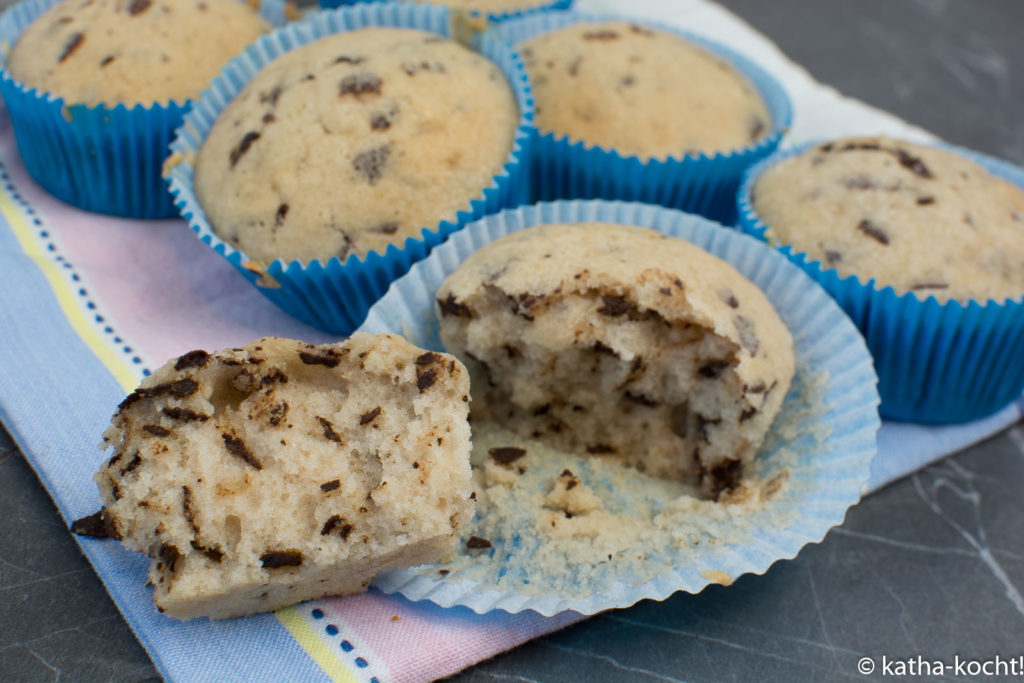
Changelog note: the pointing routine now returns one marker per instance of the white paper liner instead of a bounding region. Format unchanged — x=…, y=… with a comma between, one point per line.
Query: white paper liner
x=826, y=476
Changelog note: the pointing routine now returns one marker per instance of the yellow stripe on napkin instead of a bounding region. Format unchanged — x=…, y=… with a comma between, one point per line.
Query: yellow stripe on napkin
x=307, y=637
x=66, y=295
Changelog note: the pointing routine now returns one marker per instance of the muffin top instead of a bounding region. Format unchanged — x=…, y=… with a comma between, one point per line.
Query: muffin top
x=132, y=51
x=640, y=92
x=920, y=219
x=489, y=5
x=355, y=142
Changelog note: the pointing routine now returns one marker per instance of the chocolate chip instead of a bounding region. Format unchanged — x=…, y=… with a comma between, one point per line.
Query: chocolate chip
x=873, y=231
x=237, y=448
x=477, y=543
x=506, y=454
x=156, y=430
x=614, y=305
x=428, y=358
x=411, y=68
x=640, y=399
x=192, y=359
x=925, y=201
x=665, y=290
x=601, y=35
x=386, y=228
x=169, y=555
x=243, y=146
x=857, y=183
x=274, y=559
x=599, y=448
x=641, y=31
x=273, y=377
x=721, y=477
x=214, y=553
x=106, y=60
x=627, y=81
x=360, y=84
x=713, y=368
x=96, y=525
x=371, y=163
x=189, y=513
x=748, y=337
x=912, y=163
x=930, y=285
x=132, y=464
x=730, y=299
x=747, y=414
x=328, y=358
x=277, y=413
x=346, y=59
x=74, y=42
x=331, y=485
x=755, y=388
x=184, y=414
x=380, y=121
x=450, y=306
x=833, y=257
x=136, y=7
x=370, y=416
x=426, y=379
x=272, y=96
x=602, y=348
x=329, y=432
x=702, y=426
x=280, y=214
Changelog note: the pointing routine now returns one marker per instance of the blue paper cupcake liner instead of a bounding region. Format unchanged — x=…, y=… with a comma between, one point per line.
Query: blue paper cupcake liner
x=491, y=16
x=937, y=363
x=335, y=296
x=699, y=183
x=98, y=158
x=826, y=477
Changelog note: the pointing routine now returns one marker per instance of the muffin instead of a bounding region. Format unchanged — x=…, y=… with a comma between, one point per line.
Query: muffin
x=95, y=90
x=620, y=86
x=915, y=218
x=130, y=52
x=643, y=113
x=622, y=343
x=353, y=143
x=262, y=476
x=923, y=248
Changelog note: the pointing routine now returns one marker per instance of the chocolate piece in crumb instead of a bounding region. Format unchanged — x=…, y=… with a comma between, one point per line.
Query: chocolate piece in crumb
x=331, y=485
x=328, y=358
x=601, y=35
x=380, y=121
x=280, y=214
x=506, y=454
x=360, y=84
x=329, y=432
x=274, y=559
x=107, y=60
x=477, y=543
x=428, y=358
x=370, y=164
x=74, y=42
x=136, y=7
x=369, y=416
x=192, y=359
x=426, y=379
x=713, y=368
x=169, y=555
x=722, y=476
x=238, y=449
x=96, y=525
x=156, y=430
x=614, y=305
x=243, y=146
x=639, y=399
x=346, y=59
x=599, y=449
x=873, y=231
x=450, y=306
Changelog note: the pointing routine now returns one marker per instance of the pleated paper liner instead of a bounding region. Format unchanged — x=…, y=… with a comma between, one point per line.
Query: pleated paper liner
x=335, y=296
x=937, y=363
x=824, y=438
x=502, y=15
x=98, y=158
x=700, y=183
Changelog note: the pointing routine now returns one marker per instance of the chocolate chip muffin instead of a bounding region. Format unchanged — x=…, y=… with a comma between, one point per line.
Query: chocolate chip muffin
x=262, y=476
x=353, y=143
x=916, y=218
x=640, y=92
x=132, y=51
x=621, y=343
